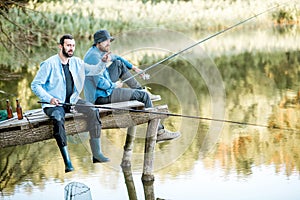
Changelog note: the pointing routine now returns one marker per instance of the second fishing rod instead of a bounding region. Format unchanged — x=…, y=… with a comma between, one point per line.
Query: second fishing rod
x=203, y=40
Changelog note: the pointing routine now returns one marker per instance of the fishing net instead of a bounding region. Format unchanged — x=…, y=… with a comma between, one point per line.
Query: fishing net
x=77, y=191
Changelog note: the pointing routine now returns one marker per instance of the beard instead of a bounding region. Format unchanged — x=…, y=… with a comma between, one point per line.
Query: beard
x=68, y=54
x=104, y=48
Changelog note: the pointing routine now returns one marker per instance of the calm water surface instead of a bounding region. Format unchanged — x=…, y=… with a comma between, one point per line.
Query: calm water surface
x=211, y=160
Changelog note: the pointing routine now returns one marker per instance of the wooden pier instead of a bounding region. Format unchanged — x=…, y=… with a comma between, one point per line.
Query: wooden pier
x=36, y=126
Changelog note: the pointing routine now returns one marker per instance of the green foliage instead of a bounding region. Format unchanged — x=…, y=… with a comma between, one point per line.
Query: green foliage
x=242, y=70
x=41, y=22
x=82, y=16
x=159, y=1
x=282, y=67
x=289, y=15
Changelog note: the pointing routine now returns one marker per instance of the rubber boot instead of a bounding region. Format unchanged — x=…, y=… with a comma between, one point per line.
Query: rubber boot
x=98, y=157
x=132, y=83
x=67, y=160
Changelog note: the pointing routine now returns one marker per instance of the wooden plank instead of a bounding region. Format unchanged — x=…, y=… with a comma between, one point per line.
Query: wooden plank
x=15, y=122
x=126, y=104
x=38, y=115
x=38, y=127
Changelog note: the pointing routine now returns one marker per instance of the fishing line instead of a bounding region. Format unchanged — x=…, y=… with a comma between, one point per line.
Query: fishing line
x=26, y=115
x=203, y=40
x=176, y=115
x=31, y=126
x=78, y=135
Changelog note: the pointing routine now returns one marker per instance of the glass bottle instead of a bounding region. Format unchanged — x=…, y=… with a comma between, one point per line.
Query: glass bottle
x=9, y=110
x=19, y=110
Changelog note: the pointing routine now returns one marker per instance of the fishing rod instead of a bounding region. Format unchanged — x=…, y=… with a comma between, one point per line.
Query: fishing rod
x=203, y=40
x=172, y=115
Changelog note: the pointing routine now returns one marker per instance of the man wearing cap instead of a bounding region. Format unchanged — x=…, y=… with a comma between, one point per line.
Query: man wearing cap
x=107, y=88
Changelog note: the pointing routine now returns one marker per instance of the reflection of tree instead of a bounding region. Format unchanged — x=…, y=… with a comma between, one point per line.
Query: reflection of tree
x=187, y=160
x=285, y=117
x=248, y=147
x=12, y=172
x=282, y=67
x=4, y=168
x=244, y=73
x=243, y=157
x=249, y=79
x=27, y=164
x=251, y=98
x=16, y=84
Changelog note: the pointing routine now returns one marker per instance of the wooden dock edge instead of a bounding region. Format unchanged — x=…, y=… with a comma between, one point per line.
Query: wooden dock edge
x=36, y=128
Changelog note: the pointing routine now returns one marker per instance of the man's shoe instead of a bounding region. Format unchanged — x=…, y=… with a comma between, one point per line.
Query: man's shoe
x=153, y=97
x=103, y=160
x=164, y=135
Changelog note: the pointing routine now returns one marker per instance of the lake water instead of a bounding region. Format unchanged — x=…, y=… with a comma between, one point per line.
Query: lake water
x=248, y=78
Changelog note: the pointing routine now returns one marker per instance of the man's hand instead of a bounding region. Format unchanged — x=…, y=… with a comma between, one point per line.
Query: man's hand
x=54, y=101
x=119, y=84
x=136, y=69
x=141, y=73
x=106, y=57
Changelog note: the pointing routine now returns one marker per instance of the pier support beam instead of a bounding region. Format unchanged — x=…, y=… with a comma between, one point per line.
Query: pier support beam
x=150, y=142
x=128, y=147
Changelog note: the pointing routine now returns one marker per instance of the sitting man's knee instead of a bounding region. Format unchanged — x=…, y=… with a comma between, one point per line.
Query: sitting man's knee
x=57, y=115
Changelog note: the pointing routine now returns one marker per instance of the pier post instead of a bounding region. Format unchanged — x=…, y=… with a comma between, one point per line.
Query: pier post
x=126, y=160
x=150, y=142
x=129, y=183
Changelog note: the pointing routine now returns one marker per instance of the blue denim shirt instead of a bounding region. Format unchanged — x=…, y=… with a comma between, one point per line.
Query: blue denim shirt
x=50, y=82
x=100, y=85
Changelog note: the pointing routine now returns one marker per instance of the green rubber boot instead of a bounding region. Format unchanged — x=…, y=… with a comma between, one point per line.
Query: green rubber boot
x=98, y=156
x=65, y=154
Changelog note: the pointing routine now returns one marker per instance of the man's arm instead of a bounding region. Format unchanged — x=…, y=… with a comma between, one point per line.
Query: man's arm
x=38, y=83
x=98, y=69
x=93, y=70
x=104, y=84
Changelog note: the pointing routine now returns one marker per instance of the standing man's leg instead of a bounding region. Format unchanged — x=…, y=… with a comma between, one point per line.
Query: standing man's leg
x=57, y=115
x=94, y=128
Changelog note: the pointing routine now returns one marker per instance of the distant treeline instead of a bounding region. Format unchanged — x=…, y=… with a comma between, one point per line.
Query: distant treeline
x=25, y=24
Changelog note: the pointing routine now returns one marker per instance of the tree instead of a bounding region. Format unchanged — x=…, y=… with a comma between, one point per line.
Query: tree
x=18, y=29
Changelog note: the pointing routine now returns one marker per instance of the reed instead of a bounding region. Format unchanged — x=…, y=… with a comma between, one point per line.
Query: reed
x=84, y=17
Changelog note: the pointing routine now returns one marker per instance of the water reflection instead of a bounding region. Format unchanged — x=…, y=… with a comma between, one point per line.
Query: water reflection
x=240, y=149
x=129, y=183
x=147, y=185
